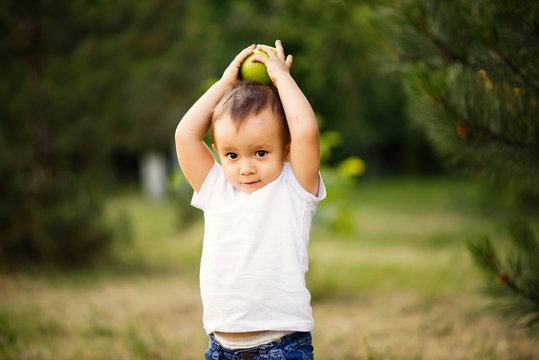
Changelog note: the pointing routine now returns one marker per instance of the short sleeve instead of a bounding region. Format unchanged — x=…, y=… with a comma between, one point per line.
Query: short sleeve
x=301, y=192
x=201, y=198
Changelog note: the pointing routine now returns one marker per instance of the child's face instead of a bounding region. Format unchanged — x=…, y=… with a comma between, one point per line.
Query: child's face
x=252, y=155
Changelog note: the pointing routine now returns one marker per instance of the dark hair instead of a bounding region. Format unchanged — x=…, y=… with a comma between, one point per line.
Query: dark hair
x=246, y=98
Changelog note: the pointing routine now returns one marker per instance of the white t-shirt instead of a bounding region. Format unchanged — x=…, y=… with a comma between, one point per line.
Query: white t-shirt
x=254, y=257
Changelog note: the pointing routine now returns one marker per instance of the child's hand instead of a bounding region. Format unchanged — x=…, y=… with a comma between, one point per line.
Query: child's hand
x=230, y=76
x=276, y=64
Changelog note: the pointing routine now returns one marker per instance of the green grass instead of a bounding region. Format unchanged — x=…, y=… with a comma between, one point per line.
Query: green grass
x=398, y=284
x=408, y=235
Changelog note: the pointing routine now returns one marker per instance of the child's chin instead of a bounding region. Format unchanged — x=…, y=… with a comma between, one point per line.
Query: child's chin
x=250, y=188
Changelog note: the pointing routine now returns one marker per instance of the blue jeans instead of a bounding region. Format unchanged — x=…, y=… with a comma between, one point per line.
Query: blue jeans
x=296, y=346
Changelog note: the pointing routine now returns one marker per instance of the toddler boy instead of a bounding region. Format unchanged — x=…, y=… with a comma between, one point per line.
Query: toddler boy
x=258, y=207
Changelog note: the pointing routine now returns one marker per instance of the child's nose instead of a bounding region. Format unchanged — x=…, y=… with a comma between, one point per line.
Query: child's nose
x=247, y=168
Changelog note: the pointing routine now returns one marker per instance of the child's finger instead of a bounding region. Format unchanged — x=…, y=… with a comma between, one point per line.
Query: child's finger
x=267, y=50
x=280, y=49
x=244, y=53
x=231, y=72
x=289, y=60
x=259, y=58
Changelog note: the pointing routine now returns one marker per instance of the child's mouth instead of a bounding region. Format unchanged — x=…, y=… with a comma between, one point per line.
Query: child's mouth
x=251, y=182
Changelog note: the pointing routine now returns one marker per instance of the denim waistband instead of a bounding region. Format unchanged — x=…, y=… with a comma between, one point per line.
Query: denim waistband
x=286, y=343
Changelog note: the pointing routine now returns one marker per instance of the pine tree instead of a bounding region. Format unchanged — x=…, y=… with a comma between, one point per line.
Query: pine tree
x=472, y=80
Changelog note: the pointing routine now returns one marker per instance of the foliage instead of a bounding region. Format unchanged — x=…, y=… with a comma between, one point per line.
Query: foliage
x=90, y=86
x=64, y=71
x=52, y=221
x=52, y=135
x=334, y=64
x=337, y=214
x=472, y=80
x=513, y=280
x=182, y=193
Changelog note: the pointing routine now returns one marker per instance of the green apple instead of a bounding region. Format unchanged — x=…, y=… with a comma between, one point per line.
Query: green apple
x=255, y=70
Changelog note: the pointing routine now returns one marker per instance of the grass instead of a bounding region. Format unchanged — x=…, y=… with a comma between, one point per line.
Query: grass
x=399, y=285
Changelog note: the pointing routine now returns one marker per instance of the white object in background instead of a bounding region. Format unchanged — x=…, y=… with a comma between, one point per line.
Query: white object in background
x=153, y=172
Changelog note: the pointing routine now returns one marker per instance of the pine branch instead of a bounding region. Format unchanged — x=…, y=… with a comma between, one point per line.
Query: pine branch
x=510, y=283
x=503, y=57
x=478, y=132
x=485, y=256
x=516, y=281
x=376, y=35
x=482, y=133
x=446, y=50
x=524, y=238
x=513, y=66
x=470, y=63
x=505, y=286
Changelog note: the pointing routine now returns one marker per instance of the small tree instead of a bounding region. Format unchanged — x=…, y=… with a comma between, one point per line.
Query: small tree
x=472, y=79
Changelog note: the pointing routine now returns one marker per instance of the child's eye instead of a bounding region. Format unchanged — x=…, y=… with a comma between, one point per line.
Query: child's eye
x=261, y=153
x=232, y=156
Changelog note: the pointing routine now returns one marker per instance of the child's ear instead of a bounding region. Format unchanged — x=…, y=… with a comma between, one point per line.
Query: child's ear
x=214, y=146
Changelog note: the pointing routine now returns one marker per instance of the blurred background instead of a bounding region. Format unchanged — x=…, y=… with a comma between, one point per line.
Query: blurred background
x=424, y=249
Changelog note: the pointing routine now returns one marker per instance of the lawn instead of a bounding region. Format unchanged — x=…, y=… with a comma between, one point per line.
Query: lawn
x=398, y=285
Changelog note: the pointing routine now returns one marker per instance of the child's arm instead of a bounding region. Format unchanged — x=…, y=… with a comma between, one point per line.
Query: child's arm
x=194, y=156
x=304, y=143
